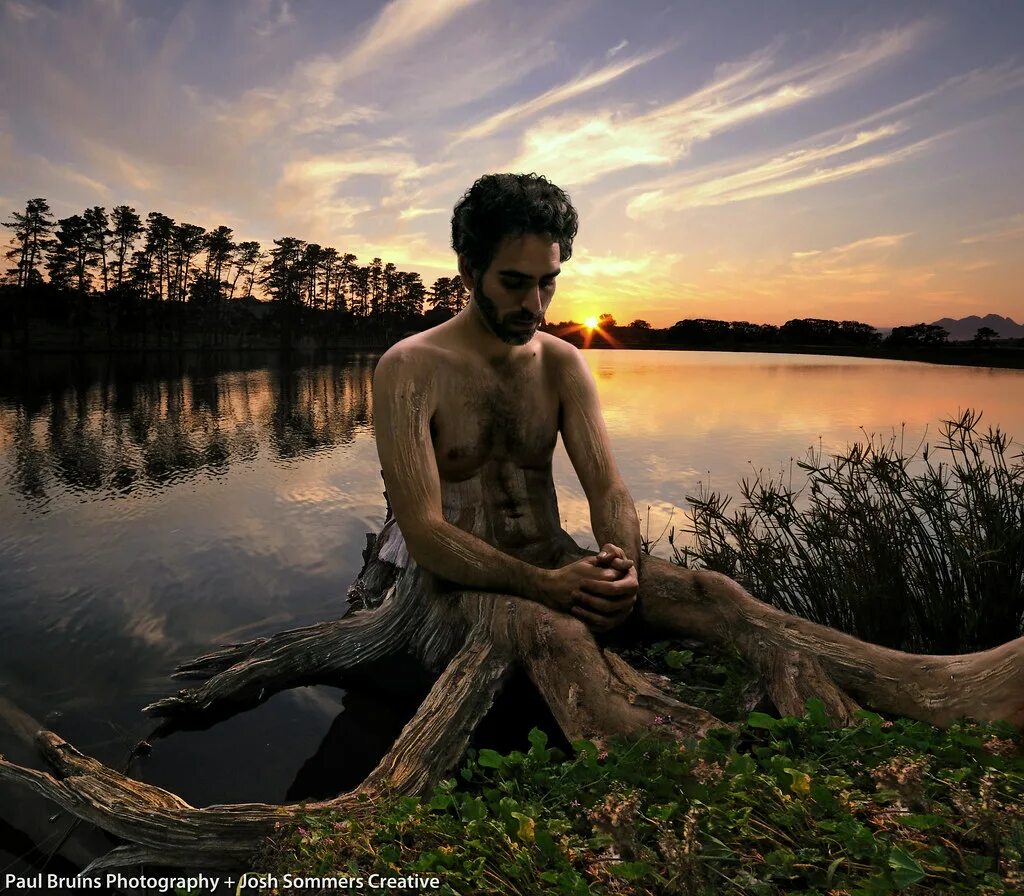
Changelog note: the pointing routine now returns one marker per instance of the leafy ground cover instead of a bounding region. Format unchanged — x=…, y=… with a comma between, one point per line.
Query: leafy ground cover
x=767, y=806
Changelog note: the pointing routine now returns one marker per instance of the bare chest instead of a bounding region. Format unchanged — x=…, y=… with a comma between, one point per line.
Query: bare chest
x=503, y=416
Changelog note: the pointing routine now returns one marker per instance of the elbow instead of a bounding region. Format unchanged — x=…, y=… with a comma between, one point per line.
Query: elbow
x=421, y=540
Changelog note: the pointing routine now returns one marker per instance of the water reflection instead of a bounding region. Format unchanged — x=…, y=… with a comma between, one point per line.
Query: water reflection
x=680, y=420
x=118, y=424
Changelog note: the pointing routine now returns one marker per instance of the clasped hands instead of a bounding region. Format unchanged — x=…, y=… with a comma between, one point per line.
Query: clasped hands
x=599, y=590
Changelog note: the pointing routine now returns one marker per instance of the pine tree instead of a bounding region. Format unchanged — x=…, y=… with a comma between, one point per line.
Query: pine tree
x=32, y=239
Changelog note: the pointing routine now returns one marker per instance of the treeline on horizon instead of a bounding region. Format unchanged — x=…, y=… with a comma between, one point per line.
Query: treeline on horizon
x=117, y=281
x=808, y=331
x=135, y=279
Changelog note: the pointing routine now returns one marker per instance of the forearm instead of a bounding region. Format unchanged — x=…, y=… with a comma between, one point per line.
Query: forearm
x=456, y=555
x=613, y=519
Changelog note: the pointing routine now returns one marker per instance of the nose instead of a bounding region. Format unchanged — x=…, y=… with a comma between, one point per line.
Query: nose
x=533, y=301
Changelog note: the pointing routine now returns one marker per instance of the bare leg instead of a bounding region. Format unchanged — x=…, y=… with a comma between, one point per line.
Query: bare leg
x=937, y=689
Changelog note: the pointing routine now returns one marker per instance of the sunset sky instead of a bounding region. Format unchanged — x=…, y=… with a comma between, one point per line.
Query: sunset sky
x=755, y=161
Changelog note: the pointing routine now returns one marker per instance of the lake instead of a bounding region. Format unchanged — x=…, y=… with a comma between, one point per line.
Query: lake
x=152, y=509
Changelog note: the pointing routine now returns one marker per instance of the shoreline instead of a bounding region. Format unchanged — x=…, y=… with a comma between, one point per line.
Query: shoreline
x=1011, y=358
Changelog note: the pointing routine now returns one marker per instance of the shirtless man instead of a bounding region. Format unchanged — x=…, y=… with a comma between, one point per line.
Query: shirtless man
x=467, y=415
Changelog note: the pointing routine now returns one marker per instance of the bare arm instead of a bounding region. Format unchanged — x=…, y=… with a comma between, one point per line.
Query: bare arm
x=612, y=512
x=403, y=403
x=602, y=604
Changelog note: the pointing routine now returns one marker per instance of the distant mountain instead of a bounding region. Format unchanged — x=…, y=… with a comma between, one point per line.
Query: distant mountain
x=966, y=327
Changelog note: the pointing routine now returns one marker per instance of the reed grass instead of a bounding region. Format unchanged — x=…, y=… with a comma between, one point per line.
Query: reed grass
x=921, y=550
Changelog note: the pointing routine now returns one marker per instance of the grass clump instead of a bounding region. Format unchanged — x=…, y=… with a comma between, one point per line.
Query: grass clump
x=921, y=550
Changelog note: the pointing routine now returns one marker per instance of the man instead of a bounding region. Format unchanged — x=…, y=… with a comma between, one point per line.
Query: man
x=467, y=416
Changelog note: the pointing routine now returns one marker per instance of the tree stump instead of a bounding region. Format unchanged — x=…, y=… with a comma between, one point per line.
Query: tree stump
x=471, y=641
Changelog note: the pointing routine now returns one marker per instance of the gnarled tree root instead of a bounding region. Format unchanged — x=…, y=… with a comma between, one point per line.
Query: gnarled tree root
x=164, y=829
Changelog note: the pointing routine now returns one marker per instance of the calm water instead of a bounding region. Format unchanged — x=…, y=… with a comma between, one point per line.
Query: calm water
x=152, y=510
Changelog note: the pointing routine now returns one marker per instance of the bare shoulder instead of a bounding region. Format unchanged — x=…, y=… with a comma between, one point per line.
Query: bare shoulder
x=408, y=359
x=560, y=356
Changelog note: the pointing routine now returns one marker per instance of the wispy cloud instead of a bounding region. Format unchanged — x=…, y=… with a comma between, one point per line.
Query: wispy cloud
x=838, y=253
x=875, y=279
x=863, y=261
x=312, y=101
x=400, y=24
x=799, y=167
x=409, y=214
x=20, y=12
x=311, y=192
x=279, y=16
x=643, y=276
x=796, y=170
x=575, y=88
x=416, y=251
x=1002, y=229
x=37, y=168
x=589, y=146
x=613, y=51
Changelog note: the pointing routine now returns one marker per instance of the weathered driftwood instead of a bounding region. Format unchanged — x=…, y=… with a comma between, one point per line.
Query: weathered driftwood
x=471, y=640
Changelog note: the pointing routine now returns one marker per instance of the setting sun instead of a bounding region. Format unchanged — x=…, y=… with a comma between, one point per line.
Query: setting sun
x=590, y=323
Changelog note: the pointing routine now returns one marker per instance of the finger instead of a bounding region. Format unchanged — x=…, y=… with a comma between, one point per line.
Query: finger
x=599, y=623
x=625, y=586
x=610, y=551
x=606, y=591
x=593, y=620
x=619, y=563
x=601, y=574
x=595, y=604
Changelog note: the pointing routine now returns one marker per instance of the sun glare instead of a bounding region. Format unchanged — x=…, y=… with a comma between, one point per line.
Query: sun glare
x=590, y=323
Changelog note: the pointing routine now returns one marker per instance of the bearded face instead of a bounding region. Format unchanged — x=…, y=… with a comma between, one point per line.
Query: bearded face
x=513, y=328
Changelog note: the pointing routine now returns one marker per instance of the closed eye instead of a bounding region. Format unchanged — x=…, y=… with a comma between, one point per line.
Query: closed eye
x=522, y=284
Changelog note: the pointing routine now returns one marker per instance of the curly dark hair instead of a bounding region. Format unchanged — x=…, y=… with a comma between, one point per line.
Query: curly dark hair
x=510, y=205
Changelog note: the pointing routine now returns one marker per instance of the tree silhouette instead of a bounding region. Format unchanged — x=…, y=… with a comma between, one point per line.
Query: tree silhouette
x=343, y=291
x=984, y=336
x=918, y=334
x=71, y=257
x=442, y=295
x=375, y=275
x=159, y=231
x=127, y=228
x=390, y=278
x=460, y=295
x=219, y=251
x=248, y=258
x=32, y=238
x=187, y=241
x=99, y=237
x=361, y=291
x=328, y=263
x=413, y=295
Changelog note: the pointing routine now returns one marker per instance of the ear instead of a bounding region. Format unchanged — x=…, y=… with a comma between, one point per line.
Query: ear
x=466, y=273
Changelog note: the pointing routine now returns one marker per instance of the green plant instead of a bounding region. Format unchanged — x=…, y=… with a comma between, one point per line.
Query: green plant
x=920, y=550
x=777, y=806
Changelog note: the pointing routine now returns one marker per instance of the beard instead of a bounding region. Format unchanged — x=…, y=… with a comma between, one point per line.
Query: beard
x=502, y=327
